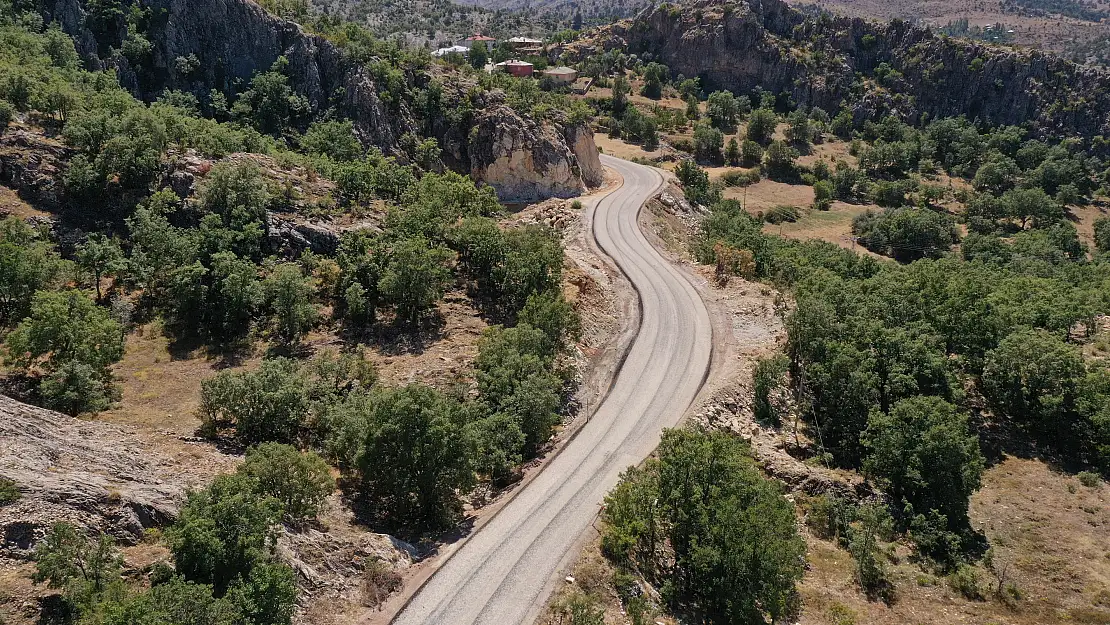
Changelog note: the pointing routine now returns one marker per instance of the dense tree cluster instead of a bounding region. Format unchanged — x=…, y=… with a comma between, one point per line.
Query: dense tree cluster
x=701, y=521
x=882, y=354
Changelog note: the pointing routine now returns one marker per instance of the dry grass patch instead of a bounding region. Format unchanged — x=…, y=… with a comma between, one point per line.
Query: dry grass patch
x=765, y=194
x=160, y=389
x=1050, y=529
x=622, y=149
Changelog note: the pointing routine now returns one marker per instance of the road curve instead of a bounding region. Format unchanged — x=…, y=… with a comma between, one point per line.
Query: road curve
x=503, y=573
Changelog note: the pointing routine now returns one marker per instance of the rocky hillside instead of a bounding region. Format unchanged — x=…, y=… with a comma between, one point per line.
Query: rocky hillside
x=197, y=46
x=877, y=67
x=94, y=475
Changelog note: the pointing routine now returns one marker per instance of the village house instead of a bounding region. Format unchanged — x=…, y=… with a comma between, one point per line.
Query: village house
x=525, y=45
x=479, y=38
x=442, y=52
x=515, y=67
x=561, y=75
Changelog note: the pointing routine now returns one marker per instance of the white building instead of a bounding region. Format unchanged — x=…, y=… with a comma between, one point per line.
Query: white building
x=442, y=52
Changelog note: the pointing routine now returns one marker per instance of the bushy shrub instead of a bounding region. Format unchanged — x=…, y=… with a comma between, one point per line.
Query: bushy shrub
x=300, y=481
x=782, y=213
x=906, y=234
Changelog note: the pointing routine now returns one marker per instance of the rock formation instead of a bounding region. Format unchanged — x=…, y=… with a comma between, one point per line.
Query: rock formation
x=743, y=44
x=91, y=474
x=526, y=161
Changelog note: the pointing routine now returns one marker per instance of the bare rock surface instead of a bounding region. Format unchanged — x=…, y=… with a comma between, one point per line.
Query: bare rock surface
x=331, y=561
x=523, y=160
x=95, y=475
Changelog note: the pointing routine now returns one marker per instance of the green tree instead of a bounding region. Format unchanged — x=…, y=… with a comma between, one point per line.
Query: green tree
x=270, y=104
x=76, y=387
x=619, y=99
x=299, y=481
x=360, y=268
x=234, y=198
x=732, y=545
x=996, y=175
x=417, y=455
x=906, y=234
x=157, y=247
x=1032, y=207
x=695, y=183
x=333, y=139
x=798, y=128
x=693, y=110
x=768, y=377
x=515, y=378
x=1102, y=234
x=722, y=109
x=289, y=294
x=224, y=532
x=1033, y=378
x=101, y=257
x=863, y=536
x=708, y=142
x=732, y=152
x=414, y=278
x=823, y=194
x=83, y=567
x=751, y=153
x=234, y=295
x=655, y=76
x=924, y=452
x=781, y=159
x=553, y=315
x=174, y=602
x=267, y=594
x=533, y=264
x=73, y=341
x=761, y=126
x=270, y=404
x=478, y=56
x=28, y=264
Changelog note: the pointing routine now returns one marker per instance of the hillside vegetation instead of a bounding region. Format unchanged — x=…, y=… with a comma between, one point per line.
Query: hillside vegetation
x=250, y=229
x=971, y=337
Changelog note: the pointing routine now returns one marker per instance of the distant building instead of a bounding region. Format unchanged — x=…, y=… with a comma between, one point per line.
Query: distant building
x=525, y=45
x=442, y=52
x=514, y=67
x=518, y=42
x=479, y=38
x=561, y=75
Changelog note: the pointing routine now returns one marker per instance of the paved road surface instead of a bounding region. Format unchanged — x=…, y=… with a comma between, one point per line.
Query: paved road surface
x=504, y=573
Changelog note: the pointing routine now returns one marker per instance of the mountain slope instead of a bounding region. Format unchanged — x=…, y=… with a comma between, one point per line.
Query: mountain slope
x=878, y=68
x=204, y=47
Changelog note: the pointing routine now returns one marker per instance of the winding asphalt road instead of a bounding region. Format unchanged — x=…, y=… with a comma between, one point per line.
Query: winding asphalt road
x=503, y=574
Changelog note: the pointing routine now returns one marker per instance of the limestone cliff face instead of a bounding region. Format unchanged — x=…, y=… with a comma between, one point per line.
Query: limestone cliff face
x=233, y=39
x=581, y=141
x=523, y=160
x=743, y=44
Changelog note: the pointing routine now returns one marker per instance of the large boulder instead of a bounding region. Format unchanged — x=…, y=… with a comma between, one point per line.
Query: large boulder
x=523, y=160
